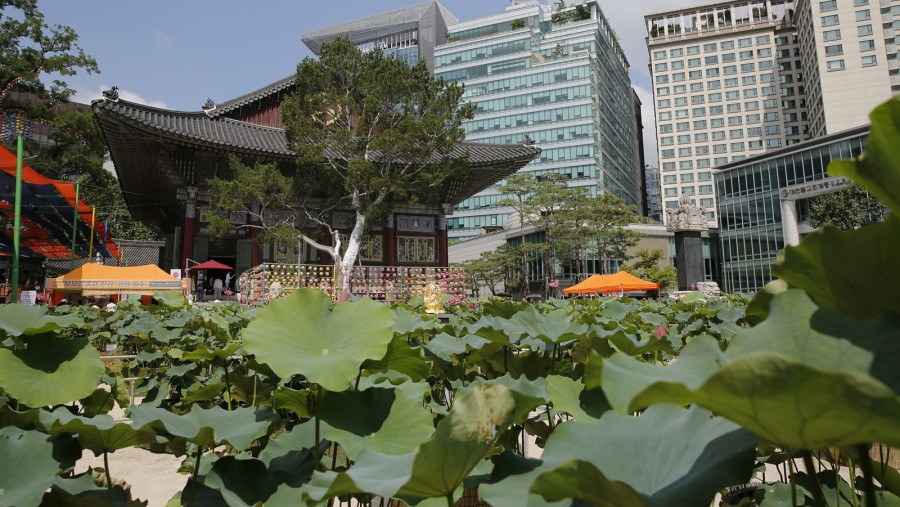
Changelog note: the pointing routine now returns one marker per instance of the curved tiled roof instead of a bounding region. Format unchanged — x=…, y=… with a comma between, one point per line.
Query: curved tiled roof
x=248, y=98
x=227, y=133
x=198, y=127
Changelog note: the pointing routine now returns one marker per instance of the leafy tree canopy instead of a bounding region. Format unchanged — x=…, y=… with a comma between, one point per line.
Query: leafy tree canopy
x=848, y=209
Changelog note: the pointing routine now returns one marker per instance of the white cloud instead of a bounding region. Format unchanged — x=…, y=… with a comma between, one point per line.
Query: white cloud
x=86, y=96
x=163, y=40
x=648, y=118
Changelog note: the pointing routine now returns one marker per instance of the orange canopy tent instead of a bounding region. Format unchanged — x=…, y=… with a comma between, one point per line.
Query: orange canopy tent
x=622, y=281
x=99, y=280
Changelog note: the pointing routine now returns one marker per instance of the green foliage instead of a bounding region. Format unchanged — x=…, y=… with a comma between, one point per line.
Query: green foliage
x=848, y=209
x=646, y=265
x=27, y=468
x=517, y=24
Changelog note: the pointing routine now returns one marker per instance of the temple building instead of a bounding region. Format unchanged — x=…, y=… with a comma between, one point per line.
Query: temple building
x=165, y=158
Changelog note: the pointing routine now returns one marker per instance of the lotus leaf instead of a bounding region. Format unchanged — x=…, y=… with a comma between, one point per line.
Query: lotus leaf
x=303, y=335
x=27, y=468
x=51, y=370
x=206, y=427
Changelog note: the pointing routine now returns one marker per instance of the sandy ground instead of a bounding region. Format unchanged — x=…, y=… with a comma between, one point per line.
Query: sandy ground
x=152, y=476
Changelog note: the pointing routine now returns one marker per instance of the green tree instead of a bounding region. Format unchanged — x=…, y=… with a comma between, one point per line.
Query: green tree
x=848, y=209
x=647, y=264
x=519, y=188
x=370, y=131
x=261, y=191
x=608, y=216
x=30, y=50
x=550, y=198
x=491, y=269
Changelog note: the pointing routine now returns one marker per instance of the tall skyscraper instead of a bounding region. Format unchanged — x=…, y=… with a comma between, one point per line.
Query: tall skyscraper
x=559, y=79
x=728, y=84
x=849, y=55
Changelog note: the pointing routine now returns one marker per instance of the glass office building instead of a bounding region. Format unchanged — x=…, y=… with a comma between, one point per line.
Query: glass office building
x=749, y=203
x=563, y=85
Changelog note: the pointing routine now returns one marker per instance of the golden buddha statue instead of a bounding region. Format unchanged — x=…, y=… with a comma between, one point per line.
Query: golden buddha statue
x=433, y=298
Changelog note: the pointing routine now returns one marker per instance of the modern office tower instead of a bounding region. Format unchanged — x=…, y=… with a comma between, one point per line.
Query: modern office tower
x=410, y=34
x=849, y=58
x=728, y=84
x=653, y=200
x=558, y=79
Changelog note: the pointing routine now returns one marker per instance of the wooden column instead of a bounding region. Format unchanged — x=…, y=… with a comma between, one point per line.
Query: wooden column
x=442, y=246
x=390, y=241
x=190, y=228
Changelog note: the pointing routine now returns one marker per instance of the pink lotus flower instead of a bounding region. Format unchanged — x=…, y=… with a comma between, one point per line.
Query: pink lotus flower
x=660, y=332
x=553, y=284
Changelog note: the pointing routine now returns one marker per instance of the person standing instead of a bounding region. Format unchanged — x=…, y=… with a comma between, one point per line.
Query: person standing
x=228, y=281
x=199, y=297
x=217, y=288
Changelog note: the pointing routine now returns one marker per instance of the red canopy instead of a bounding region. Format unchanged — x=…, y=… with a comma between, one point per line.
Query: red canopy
x=622, y=281
x=211, y=265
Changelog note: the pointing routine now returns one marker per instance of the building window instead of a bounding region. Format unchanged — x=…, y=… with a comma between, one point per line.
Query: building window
x=663, y=103
x=736, y=133
x=693, y=62
x=693, y=50
x=668, y=166
x=864, y=30
x=737, y=146
x=830, y=5
x=687, y=178
x=747, y=67
x=728, y=44
x=685, y=164
x=671, y=192
x=665, y=128
x=735, y=120
x=771, y=117
x=868, y=61
x=659, y=55
x=729, y=70
x=745, y=43
x=714, y=72
x=661, y=67
x=670, y=179
x=773, y=143
x=696, y=74
x=834, y=50
x=829, y=35
x=703, y=162
x=696, y=87
x=714, y=85
x=863, y=15
x=675, y=52
x=706, y=189
x=762, y=40
x=701, y=137
x=709, y=48
x=711, y=60
x=756, y=145
x=720, y=161
x=415, y=249
x=866, y=45
x=728, y=58
x=830, y=20
x=677, y=64
x=718, y=135
x=752, y=118
x=835, y=65
x=700, y=124
x=857, y=3
x=732, y=95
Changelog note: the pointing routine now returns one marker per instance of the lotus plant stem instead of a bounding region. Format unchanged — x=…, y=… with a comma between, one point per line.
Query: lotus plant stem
x=505, y=354
x=316, y=448
x=333, y=455
x=450, y=499
x=108, y=477
x=817, y=492
x=792, y=479
x=549, y=418
x=854, y=496
x=254, y=391
x=227, y=387
x=196, y=473
x=358, y=376
x=865, y=464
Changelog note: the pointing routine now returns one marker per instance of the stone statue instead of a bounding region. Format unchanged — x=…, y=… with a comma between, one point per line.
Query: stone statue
x=433, y=298
x=686, y=217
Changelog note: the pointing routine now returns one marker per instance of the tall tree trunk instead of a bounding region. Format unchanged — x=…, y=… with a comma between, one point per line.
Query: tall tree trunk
x=354, y=242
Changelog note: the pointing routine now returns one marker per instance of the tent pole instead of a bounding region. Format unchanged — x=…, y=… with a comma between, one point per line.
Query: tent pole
x=91, y=249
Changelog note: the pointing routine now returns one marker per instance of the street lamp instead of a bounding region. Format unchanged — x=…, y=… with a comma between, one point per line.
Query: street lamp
x=74, y=177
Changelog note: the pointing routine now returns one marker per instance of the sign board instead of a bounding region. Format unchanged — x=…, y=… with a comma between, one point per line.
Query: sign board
x=28, y=297
x=176, y=273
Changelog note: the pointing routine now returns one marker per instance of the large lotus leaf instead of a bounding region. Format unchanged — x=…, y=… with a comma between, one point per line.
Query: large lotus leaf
x=100, y=433
x=206, y=427
x=240, y=482
x=445, y=346
x=536, y=388
x=568, y=396
x=303, y=335
x=494, y=329
x=83, y=491
x=407, y=321
x=464, y=437
x=806, y=378
x=878, y=170
x=504, y=308
x=553, y=327
x=51, y=370
x=171, y=299
x=631, y=343
x=204, y=353
x=27, y=320
x=402, y=358
x=668, y=455
x=438, y=467
x=854, y=272
x=27, y=467
x=614, y=310
x=297, y=401
x=393, y=423
x=510, y=482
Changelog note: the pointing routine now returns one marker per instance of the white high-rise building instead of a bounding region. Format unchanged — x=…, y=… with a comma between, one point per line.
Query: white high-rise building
x=559, y=79
x=850, y=58
x=728, y=84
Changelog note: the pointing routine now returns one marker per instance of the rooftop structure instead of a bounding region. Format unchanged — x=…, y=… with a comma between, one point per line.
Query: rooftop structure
x=410, y=34
x=558, y=79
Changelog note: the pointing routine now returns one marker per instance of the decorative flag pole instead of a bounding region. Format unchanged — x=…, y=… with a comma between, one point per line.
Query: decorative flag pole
x=93, y=218
x=75, y=225
x=17, y=221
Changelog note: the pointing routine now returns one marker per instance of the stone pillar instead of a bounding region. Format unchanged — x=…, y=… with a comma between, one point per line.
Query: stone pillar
x=255, y=247
x=789, y=222
x=687, y=222
x=689, y=258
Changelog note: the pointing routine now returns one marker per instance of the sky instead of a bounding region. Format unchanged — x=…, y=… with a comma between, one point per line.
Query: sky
x=176, y=54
